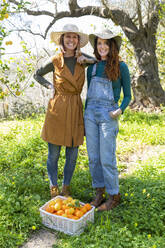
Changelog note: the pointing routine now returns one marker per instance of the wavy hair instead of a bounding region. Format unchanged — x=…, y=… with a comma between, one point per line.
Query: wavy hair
x=112, y=68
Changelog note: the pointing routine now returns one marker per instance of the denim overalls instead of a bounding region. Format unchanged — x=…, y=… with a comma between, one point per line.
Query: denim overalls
x=101, y=131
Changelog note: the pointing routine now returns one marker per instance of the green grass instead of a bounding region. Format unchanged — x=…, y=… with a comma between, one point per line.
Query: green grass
x=139, y=221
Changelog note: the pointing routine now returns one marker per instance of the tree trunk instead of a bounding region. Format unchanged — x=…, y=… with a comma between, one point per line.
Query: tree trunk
x=146, y=85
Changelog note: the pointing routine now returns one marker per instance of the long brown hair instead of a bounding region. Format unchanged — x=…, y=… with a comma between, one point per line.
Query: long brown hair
x=77, y=49
x=112, y=68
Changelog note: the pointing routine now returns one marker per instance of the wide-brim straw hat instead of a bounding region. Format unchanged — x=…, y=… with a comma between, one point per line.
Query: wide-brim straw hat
x=69, y=28
x=105, y=35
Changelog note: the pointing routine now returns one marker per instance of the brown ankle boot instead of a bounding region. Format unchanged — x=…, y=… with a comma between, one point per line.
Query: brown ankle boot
x=111, y=203
x=54, y=191
x=65, y=190
x=100, y=197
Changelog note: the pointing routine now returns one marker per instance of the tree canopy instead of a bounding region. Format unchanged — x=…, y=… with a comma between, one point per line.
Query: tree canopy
x=139, y=20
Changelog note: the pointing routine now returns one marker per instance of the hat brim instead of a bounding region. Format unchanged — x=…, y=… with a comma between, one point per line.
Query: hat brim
x=55, y=37
x=117, y=38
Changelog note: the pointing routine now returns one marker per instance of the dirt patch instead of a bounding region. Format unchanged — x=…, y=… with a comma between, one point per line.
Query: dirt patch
x=44, y=238
x=142, y=154
x=146, y=153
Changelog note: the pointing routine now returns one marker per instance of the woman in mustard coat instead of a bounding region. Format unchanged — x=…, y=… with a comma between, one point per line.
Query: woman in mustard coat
x=64, y=124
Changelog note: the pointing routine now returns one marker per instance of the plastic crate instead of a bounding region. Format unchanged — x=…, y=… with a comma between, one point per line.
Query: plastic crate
x=63, y=224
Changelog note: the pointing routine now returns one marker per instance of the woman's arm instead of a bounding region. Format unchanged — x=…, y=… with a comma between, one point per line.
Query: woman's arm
x=43, y=70
x=89, y=76
x=126, y=85
x=86, y=59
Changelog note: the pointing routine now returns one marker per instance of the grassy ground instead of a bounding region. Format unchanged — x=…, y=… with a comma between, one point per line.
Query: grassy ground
x=138, y=222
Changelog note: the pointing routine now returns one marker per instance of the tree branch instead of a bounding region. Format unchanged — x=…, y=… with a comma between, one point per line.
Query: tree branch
x=139, y=12
x=58, y=16
x=153, y=20
x=33, y=12
x=10, y=90
x=73, y=5
x=26, y=30
x=118, y=16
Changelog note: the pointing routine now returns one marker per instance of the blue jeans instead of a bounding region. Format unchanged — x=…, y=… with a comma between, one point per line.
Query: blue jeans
x=101, y=131
x=52, y=163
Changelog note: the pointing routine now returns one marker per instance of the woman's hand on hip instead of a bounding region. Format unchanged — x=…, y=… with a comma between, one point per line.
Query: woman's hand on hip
x=51, y=86
x=52, y=91
x=116, y=113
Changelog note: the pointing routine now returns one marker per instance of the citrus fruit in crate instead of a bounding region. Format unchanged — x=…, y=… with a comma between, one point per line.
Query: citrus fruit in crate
x=68, y=208
x=71, y=218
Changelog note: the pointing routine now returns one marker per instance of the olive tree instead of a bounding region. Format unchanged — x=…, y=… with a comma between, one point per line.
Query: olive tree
x=139, y=20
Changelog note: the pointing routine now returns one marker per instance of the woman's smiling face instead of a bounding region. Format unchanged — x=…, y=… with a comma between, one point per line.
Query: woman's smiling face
x=70, y=41
x=102, y=48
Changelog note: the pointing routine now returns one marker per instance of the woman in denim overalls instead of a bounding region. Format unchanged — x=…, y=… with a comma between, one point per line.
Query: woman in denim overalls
x=105, y=80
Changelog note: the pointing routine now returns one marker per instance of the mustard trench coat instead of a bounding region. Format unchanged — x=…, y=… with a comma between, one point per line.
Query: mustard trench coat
x=64, y=123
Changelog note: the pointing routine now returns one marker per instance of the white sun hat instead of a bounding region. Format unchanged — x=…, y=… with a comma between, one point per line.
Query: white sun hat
x=105, y=34
x=69, y=28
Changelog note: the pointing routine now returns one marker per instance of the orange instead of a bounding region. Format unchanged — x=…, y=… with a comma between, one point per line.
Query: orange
x=83, y=209
x=64, y=207
x=75, y=217
x=73, y=201
x=60, y=212
x=69, y=211
x=58, y=200
x=88, y=206
x=51, y=203
x=49, y=209
x=6, y=15
x=70, y=216
x=69, y=199
x=18, y=93
x=64, y=215
x=65, y=202
x=78, y=213
x=57, y=206
x=77, y=209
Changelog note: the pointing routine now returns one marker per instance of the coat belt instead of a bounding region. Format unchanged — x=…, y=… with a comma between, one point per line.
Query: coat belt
x=67, y=93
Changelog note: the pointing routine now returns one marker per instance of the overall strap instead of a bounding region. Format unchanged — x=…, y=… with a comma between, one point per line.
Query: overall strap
x=94, y=70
